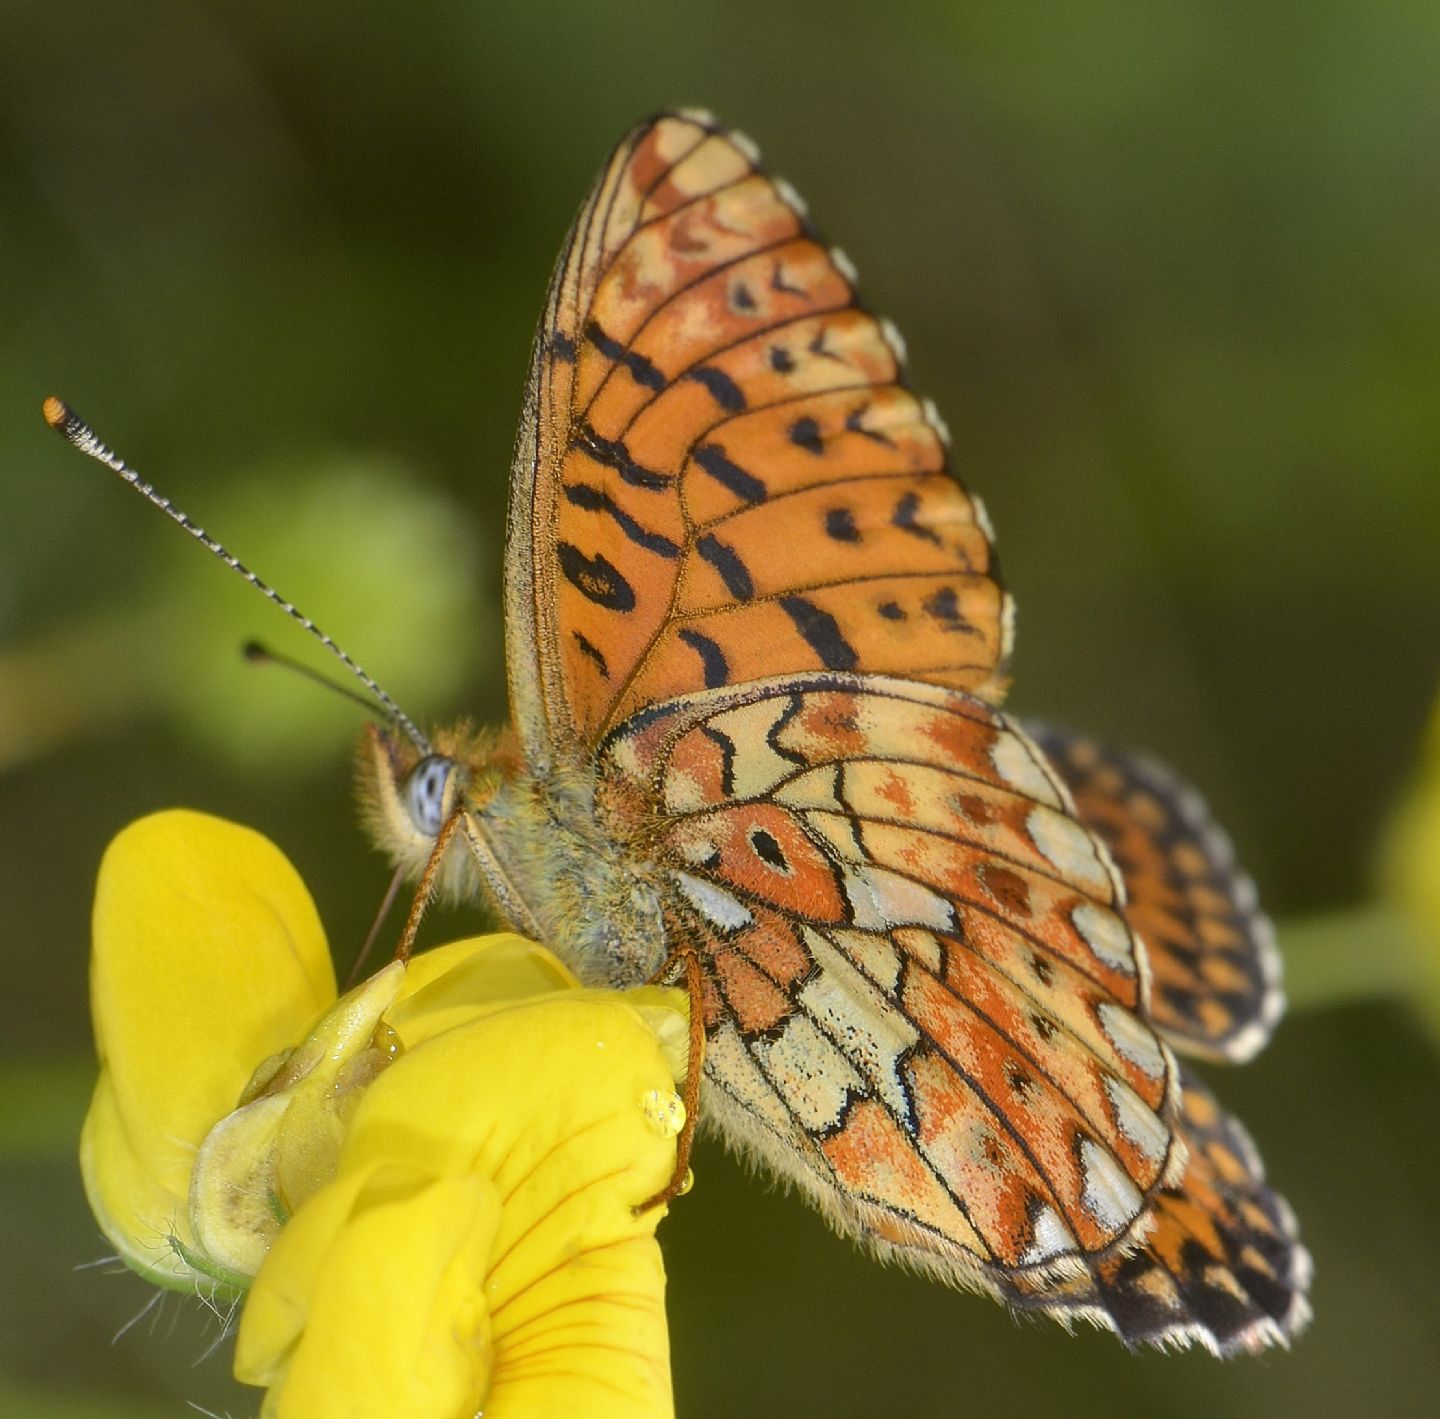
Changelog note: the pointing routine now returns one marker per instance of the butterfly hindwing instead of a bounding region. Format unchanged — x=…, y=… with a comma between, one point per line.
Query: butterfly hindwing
x=921, y=997
x=1215, y=970
x=1222, y=1266
x=721, y=475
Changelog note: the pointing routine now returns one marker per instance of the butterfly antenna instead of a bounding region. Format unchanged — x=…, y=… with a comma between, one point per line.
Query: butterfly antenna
x=65, y=421
x=258, y=653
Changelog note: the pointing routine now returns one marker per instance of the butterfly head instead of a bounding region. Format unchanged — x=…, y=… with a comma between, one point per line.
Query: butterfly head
x=407, y=796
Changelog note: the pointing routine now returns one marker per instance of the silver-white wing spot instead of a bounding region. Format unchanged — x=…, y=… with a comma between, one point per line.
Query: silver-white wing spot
x=882, y=900
x=1138, y=1121
x=746, y=144
x=1052, y=1237
x=1132, y=1039
x=1069, y=849
x=1109, y=1195
x=844, y=265
x=718, y=907
x=1105, y=935
x=982, y=515
x=1016, y=765
x=792, y=199
x=895, y=340
x=936, y=422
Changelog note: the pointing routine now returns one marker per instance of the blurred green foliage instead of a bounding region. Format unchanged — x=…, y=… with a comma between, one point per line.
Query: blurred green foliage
x=1169, y=270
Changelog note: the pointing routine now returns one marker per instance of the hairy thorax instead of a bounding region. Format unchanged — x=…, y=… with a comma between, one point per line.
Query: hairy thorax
x=562, y=858
x=581, y=876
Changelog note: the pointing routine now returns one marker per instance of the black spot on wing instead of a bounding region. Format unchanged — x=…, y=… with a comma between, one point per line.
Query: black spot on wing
x=725, y=392
x=714, y=460
x=726, y=561
x=1185, y=1003
x=1217, y=1309
x=1188, y=955
x=612, y=453
x=779, y=283
x=562, y=347
x=740, y=298
x=781, y=360
x=592, y=653
x=582, y=495
x=1274, y=1296
x=768, y=850
x=840, y=525
x=596, y=578
x=891, y=610
x=712, y=659
x=904, y=517
x=641, y=370
x=821, y=350
x=805, y=433
x=1020, y=1082
x=821, y=632
x=854, y=422
x=944, y=607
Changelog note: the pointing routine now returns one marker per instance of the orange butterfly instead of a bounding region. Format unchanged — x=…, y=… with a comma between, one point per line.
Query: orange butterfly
x=757, y=645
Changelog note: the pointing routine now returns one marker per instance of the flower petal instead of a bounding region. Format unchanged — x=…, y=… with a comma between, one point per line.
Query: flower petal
x=456, y=983
x=208, y=956
x=262, y=1160
x=549, y=1098
x=382, y=1274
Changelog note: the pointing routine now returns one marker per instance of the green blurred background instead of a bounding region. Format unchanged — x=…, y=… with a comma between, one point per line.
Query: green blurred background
x=1168, y=268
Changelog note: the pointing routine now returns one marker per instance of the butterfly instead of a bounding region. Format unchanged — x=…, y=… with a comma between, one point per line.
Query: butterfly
x=757, y=647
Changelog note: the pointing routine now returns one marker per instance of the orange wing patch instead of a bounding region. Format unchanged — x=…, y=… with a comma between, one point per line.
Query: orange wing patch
x=1216, y=973
x=1223, y=1265
x=721, y=474
x=916, y=963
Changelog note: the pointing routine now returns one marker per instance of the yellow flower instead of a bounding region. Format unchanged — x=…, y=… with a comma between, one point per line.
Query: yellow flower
x=428, y=1186
x=208, y=957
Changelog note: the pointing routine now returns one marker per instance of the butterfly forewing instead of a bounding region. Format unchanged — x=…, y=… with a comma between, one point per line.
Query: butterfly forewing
x=918, y=981
x=721, y=475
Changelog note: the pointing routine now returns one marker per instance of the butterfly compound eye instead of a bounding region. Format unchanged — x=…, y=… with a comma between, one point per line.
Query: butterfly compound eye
x=427, y=793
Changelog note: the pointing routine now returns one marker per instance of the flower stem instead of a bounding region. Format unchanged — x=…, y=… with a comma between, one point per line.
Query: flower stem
x=1366, y=953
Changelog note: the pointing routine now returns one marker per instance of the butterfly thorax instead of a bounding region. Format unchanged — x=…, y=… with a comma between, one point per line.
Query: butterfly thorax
x=528, y=839
x=569, y=879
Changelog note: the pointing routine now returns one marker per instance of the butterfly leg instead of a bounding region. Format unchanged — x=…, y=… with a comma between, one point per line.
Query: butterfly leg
x=427, y=885
x=371, y=936
x=686, y=957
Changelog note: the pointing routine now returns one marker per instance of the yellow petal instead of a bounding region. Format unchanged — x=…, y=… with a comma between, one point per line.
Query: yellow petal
x=323, y=1080
x=208, y=956
x=479, y=1246
x=234, y=1213
x=549, y=1098
x=136, y=1212
x=371, y=1302
x=261, y=1161
x=456, y=983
